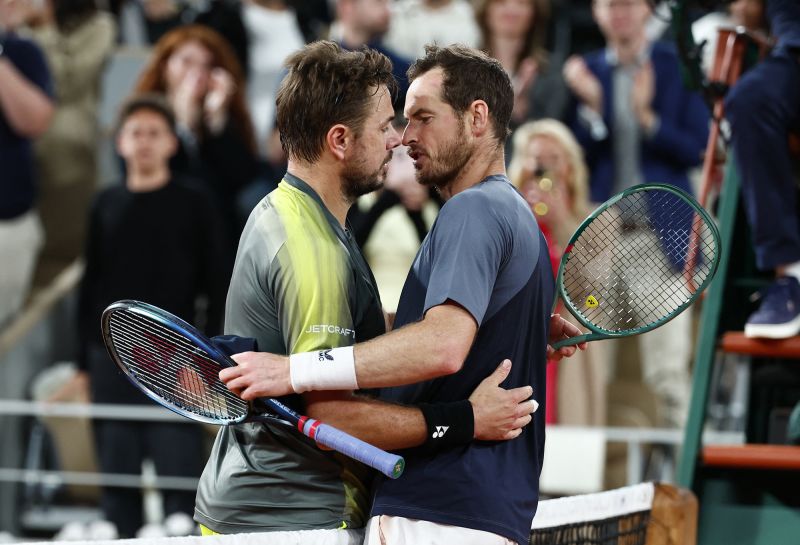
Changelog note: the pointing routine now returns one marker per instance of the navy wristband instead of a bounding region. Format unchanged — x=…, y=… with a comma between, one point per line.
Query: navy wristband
x=449, y=424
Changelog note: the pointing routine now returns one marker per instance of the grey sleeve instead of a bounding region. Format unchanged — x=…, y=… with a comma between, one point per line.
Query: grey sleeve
x=469, y=243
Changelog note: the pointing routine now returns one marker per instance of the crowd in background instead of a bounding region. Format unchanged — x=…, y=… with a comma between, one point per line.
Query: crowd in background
x=599, y=107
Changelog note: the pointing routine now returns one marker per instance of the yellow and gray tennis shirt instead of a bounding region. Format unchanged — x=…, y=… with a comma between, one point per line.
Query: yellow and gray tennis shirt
x=299, y=283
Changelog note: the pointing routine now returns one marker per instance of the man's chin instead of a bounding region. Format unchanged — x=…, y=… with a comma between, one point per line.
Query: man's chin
x=426, y=180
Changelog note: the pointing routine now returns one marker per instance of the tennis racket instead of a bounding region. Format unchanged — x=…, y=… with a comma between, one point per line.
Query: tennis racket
x=178, y=367
x=636, y=262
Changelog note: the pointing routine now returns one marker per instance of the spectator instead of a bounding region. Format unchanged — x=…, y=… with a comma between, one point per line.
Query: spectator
x=273, y=33
x=155, y=238
x=77, y=40
x=313, y=16
x=26, y=109
x=365, y=22
x=763, y=107
x=549, y=170
x=416, y=23
x=514, y=32
x=198, y=72
x=226, y=18
x=161, y=16
x=638, y=124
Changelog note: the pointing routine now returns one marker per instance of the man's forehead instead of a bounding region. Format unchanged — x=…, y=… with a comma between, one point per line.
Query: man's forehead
x=382, y=99
x=425, y=91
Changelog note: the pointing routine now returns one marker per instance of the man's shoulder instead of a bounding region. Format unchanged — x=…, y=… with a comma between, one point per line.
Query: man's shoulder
x=486, y=196
x=22, y=51
x=29, y=59
x=493, y=203
x=14, y=44
x=290, y=219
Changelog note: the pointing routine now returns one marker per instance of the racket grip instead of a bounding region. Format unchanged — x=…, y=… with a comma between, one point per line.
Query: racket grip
x=387, y=463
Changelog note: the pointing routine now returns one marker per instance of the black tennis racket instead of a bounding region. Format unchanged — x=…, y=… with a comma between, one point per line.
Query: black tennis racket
x=178, y=367
x=636, y=262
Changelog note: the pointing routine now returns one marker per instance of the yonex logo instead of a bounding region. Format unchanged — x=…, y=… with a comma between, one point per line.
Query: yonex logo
x=325, y=355
x=440, y=431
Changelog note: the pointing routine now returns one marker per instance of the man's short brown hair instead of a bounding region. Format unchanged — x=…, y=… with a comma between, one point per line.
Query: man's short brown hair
x=327, y=85
x=152, y=102
x=470, y=75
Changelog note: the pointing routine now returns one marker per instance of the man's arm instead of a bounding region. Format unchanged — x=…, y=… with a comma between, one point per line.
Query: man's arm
x=260, y=374
x=26, y=107
x=433, y=347
x=499, y=414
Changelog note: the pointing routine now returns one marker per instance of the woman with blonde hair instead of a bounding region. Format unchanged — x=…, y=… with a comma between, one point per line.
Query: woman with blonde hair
x=198, y=72
x=549, y=170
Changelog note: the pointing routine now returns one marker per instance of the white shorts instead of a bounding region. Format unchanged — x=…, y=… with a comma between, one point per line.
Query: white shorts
x=388, y=530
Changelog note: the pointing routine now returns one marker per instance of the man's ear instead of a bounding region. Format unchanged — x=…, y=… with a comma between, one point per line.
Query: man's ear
x=339, y=140
x=478, y=118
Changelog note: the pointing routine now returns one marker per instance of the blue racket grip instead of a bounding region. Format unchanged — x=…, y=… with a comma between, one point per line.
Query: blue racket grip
x=387, y=463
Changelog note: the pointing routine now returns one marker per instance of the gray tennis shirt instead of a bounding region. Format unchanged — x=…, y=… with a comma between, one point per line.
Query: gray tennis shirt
x=299, y=283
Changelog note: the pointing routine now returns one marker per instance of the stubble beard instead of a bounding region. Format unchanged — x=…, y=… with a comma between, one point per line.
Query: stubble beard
x=447, y=164
x=355, y=182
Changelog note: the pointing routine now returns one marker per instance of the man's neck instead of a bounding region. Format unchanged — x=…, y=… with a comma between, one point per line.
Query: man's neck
x=327, y=185
x=628, y=51
x=488, y=159
x=139, y=181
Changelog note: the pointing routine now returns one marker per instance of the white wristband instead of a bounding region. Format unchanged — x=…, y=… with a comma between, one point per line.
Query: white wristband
x=329, y=369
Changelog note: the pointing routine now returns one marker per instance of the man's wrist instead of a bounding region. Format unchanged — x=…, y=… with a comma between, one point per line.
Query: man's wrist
x=448, y=424
x=327, y=369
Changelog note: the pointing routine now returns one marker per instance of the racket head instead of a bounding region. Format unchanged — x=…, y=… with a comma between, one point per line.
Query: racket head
x=171, y=362
x=598, y=276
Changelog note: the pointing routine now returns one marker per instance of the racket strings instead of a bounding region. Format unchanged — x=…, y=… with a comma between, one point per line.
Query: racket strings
x=173, y=367
x=627, y=269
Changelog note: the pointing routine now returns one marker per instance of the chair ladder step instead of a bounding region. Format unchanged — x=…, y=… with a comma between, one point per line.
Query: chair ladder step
x=753, y=456
x=735, y=342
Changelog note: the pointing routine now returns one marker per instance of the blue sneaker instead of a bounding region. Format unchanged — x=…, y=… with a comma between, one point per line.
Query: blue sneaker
x=778, y=317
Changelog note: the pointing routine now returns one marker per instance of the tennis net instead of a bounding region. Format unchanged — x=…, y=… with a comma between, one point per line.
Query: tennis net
x=615, y=517
x=644, y=514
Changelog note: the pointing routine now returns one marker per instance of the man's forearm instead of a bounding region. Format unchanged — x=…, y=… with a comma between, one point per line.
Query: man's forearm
x=384, y=425
x=27, y=109
x=435, y=347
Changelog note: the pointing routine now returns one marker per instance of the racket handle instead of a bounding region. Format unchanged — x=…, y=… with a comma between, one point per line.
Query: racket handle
x=387, y=463
x=578, y=340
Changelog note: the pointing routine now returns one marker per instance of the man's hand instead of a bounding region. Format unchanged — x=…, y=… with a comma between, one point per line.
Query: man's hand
x=499, y=413
x=644, y=84
x=258, y=374
x=561, y=329
x=583, y=83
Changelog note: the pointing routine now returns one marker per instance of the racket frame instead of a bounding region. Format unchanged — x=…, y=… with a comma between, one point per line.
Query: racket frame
x=173, y=323
x=599, y=333
x=389, y=464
